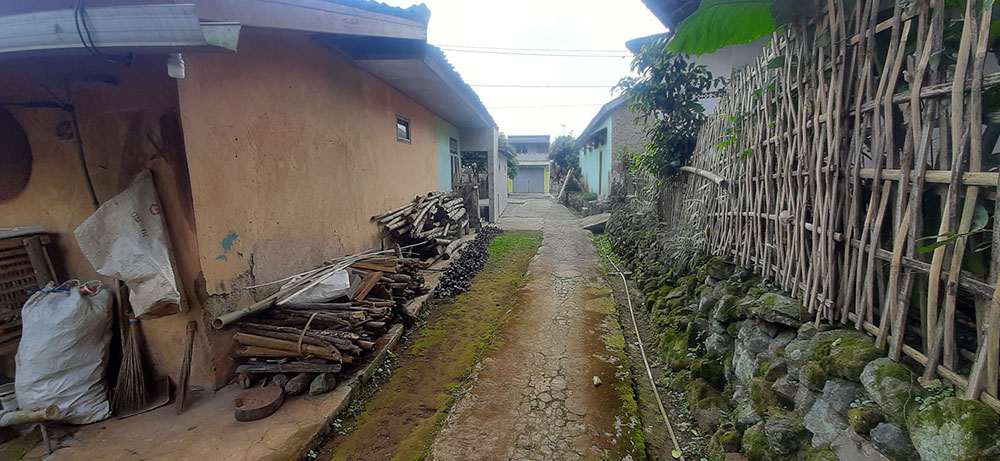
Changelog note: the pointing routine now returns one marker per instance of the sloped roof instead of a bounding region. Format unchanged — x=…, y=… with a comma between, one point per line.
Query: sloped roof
x=418, y=12
x=606, y=110
x=672, y=12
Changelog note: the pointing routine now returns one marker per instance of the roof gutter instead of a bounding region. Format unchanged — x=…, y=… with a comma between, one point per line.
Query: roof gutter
x=141, y=29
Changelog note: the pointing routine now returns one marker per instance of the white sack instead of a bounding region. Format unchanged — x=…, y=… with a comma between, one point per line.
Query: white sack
x=333, y=287
x=63, y=352
x=126, y=239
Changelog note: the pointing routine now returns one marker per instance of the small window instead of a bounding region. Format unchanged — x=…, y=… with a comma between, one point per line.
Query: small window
x=402, y=129
x=453, y=145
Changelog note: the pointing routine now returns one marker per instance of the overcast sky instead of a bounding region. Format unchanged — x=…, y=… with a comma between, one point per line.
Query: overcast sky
x=539, y=24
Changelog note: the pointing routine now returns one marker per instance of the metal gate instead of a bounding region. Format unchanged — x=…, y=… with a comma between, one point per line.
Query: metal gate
x=529, y=180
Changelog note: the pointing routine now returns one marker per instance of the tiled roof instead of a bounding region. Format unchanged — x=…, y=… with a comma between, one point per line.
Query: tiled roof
x=436, y=54
x=418, y=12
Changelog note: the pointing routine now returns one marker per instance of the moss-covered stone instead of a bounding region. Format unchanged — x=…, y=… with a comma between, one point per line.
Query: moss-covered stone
x=719, y=269
x=733, y=329
x=679, y=380
x=785, y=433
x=762, y=397
x=865, y=417
x=891, y=385
x=754, y=444
x=844, y=353
x=820, y=453
x=709, y=412
x=775, y=369
x=956, y=429
x=729, y=308
x=712, y=371
x=778, y=308
x=674, y=347
x=726, y=440
x=697, y=390
x=813, y=375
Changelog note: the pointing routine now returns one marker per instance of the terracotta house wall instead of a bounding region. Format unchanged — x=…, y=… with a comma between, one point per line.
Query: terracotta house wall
x=129, y=120
x=293, y=149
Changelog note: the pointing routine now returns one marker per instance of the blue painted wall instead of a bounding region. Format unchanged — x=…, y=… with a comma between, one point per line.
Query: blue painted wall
x=444, y=131
x=596, y=163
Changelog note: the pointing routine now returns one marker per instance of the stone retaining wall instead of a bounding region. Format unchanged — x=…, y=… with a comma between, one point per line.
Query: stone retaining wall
x=766, y=382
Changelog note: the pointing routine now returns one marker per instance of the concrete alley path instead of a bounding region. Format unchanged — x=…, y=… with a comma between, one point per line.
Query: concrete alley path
x=534, y=395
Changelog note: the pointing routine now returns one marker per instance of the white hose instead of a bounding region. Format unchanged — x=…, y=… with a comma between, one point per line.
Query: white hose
x=642, y=351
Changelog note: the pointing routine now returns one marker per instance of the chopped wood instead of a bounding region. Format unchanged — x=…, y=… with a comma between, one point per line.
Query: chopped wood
x=367, y=283
x=280, y=344
x=290, y=367
x=374, y=267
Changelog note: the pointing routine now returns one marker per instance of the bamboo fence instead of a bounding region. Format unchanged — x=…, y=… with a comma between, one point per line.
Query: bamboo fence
x=843, y=157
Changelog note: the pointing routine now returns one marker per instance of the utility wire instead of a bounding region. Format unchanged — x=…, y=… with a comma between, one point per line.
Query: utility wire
x=531, y=49
x=539, y=86
x=530, y=53
x=547, y=107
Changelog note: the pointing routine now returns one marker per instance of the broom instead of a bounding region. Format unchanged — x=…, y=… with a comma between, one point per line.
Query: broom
x=130, y=394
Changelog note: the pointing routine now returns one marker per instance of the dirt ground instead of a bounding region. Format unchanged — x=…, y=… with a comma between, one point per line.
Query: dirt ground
x=507, y=371
x=534, y=396
x=401, y=414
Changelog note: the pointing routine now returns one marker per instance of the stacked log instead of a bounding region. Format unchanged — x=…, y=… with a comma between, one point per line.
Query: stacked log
x=304, y=345
x=430, y=226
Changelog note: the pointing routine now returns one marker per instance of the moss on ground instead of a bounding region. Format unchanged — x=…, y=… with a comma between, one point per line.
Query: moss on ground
x=20, y=446
x=434, y=369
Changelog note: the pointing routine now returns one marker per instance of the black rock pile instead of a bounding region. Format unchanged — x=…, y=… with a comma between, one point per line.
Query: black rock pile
x=457, y=277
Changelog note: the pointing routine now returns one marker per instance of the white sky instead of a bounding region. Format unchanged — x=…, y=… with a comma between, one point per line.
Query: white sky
x=539, y=24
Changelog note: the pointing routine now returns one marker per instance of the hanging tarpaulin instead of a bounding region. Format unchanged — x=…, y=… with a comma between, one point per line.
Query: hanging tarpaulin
x=126, y=239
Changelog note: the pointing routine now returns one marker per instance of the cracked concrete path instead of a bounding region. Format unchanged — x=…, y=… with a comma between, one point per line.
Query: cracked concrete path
x=534, y=396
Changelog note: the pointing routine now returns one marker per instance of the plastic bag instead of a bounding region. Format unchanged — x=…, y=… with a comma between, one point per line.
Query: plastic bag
x=333, y=287
x=126, y=239
x=63, y=352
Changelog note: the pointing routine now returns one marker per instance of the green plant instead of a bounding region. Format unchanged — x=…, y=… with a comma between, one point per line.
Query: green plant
x=937, y=393
x=720, y=23
x=664, y=96
x=589, y=196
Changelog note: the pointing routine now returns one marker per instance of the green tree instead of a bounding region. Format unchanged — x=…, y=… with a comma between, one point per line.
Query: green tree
x=564, y=157
x=664, y=96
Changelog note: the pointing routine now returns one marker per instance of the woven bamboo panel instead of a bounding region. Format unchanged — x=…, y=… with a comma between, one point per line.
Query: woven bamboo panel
x=842, y=158
x=24, y=268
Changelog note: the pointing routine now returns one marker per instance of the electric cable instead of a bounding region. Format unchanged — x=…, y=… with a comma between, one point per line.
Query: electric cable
x=642, y=351
x=528, y=53
x=514, y=85
x=531, y=49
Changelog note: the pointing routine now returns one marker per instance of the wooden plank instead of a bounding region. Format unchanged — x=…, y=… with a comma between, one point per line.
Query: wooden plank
x=368, y=282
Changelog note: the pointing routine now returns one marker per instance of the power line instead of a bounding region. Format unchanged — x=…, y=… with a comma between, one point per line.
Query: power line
x=525, y=53
x=541, y=86
x=532, y=49
x=546, y=107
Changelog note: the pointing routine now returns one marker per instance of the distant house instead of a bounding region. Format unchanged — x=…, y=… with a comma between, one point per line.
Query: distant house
x=608, y=136
x=532, y=154
x=274, y=131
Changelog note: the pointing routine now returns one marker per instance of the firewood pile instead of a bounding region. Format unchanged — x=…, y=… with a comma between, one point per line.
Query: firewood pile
x=431, y=226
x=457, y=277
x=302, y=346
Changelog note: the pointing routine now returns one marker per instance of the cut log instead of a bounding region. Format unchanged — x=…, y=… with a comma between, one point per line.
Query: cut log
x=280, y=344
x=290, y=367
